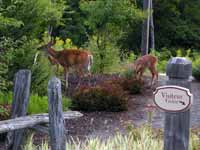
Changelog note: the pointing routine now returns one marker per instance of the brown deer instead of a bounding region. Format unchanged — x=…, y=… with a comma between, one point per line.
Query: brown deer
x=81, y=60
x=53, y=61
x=149, y=62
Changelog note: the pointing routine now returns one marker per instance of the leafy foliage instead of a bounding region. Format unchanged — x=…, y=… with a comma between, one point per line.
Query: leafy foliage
x=23, y=58
x=108, y=97
x=178, y=21
x=37, y=104
x=72, y=23
x=108, y=20
x=196, y=67
x=105, y=58
x=30, y=17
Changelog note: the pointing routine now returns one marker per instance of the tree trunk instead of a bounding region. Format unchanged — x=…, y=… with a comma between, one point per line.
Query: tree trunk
x=145, y=28
x=152, y=37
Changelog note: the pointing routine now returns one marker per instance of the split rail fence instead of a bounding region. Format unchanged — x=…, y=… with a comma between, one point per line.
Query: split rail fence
x=52, y=122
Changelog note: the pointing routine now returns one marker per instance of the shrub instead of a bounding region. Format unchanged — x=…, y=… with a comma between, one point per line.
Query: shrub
x=22, y=56
x=5, y=105
x=196, y=67
x=106, y=96
x=130, y=83
x=196, y=72
x=37, y=104
x=106, y=57
x=129, y=73
x=5, y=111
x=133, y=86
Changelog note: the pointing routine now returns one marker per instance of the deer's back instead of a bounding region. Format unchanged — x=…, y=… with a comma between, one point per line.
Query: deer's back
x=73, y=57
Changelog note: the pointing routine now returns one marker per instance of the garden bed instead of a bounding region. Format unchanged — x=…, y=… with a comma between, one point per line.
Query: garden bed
x=103, y=124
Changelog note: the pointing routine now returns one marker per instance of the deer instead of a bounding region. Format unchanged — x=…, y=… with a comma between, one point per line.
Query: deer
x=147, y=61
x=53, y=61
x=81, y=60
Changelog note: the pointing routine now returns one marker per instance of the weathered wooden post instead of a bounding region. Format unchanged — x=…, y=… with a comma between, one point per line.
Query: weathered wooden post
x=175, y=99
x=177, y=124
x=19, y=106
x=56, y=119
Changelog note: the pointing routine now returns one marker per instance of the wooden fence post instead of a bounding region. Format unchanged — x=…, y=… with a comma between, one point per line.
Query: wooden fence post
x=56, y=119
x=176, y=134
x=19, y=107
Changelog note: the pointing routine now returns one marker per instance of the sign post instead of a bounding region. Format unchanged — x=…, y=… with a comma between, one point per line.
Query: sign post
x=175, y=99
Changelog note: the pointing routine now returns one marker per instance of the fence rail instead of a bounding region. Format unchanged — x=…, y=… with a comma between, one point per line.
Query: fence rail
x=32, y=120
x=19, y=122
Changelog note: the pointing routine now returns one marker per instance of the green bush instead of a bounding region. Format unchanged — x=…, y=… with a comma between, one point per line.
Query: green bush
x=106, y=57
x=22, y=57
x=108, y=97
x=37, y=104
x=196, y=73
x=196, y=67
x=130, y=83
x=129, y=73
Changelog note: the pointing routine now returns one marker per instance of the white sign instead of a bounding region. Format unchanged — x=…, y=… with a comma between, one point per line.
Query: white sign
x=173, y=98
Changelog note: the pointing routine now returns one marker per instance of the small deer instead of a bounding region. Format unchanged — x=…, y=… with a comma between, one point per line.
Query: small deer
x=149, y=62
x=81, y=60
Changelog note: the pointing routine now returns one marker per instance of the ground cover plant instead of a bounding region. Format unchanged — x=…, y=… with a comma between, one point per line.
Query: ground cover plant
x=142, y=138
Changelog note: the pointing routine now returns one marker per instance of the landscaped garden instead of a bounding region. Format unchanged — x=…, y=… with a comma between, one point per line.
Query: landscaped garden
x=96, y=48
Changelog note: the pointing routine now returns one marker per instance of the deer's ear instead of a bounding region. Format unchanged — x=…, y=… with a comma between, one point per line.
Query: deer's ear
x=52, y=42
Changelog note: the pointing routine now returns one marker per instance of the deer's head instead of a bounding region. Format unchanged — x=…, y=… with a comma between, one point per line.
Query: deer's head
x=46, y=46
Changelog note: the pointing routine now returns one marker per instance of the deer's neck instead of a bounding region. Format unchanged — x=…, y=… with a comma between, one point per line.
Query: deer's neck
x=52, y=52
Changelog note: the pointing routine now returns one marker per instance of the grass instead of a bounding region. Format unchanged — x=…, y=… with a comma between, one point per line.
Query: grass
x=142, y=138
x=37, y=104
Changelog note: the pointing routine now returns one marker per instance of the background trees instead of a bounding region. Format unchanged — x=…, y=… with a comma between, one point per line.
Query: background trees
x=108, y=22
x=110, y=28
x=22, y=24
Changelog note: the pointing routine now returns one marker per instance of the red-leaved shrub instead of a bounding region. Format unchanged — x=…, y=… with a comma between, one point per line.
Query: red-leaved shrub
x=102, y=97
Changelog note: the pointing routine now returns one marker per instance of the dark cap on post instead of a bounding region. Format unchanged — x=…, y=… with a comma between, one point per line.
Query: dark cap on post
x=179, y=67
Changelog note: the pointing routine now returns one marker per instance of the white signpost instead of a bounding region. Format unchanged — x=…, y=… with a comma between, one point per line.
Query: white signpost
x=172, y=98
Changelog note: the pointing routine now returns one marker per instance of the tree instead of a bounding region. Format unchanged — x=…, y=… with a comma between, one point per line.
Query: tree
x=108, y=20
x=145, y=28
x=152, y=37
x=72, y=24
x=31, y=17
x=177, y=23
x=21, y=23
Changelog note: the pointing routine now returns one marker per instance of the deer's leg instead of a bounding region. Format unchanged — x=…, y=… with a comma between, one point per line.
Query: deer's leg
x=154, y=74
x=80, y=74
x=66, y=77
x=57, y=68
x=140, y=73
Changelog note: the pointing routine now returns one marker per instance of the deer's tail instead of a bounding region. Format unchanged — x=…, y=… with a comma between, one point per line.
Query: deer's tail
x=90, y=62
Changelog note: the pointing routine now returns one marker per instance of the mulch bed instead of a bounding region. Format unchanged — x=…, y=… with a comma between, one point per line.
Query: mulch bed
x=105, y=124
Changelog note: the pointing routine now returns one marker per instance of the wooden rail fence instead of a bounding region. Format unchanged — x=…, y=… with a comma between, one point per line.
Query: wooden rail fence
x=19, y=122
